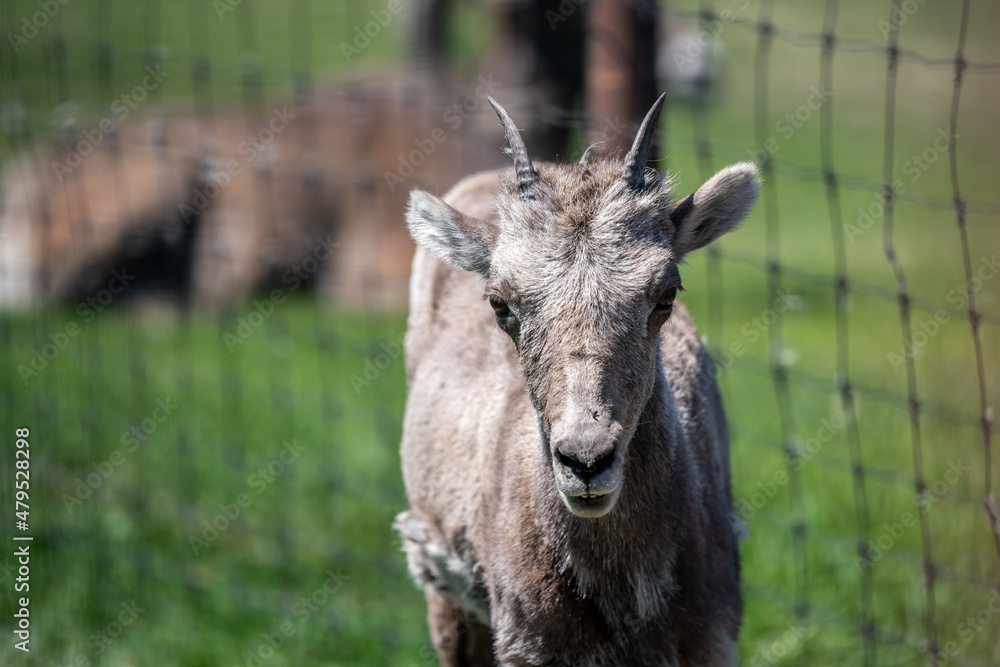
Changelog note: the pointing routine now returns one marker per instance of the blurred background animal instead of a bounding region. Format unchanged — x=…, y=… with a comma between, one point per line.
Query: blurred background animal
x=209, y=211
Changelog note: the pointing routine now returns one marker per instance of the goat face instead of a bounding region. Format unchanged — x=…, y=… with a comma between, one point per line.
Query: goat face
x=581, y=271
x=583, y=289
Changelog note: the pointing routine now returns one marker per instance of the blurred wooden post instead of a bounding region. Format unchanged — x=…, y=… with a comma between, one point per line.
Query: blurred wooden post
x=620, y=80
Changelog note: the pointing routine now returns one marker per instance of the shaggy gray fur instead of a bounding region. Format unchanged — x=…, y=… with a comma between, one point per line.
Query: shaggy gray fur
x=567, y=464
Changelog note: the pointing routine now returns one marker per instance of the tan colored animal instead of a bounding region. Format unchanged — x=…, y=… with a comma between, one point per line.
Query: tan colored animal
x=565, y=451
x=249, y=198
x=60, y=220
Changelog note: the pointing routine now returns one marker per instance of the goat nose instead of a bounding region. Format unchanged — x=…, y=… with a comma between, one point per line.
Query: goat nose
x=586, y=470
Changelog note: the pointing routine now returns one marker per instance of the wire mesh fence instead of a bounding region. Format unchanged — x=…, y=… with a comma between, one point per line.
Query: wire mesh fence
x=203, y=268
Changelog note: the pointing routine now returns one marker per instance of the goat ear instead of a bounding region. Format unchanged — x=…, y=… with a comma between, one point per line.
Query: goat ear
x=450, y=235
x=716, y=208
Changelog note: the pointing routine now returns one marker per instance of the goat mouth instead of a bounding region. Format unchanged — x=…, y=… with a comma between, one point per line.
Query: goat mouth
x=590, y=505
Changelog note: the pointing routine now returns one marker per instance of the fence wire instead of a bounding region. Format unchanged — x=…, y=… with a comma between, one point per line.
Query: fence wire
x=312, y=363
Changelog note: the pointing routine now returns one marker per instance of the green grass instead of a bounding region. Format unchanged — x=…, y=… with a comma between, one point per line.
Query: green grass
x=332, y=507
x=295, y=379
x=207, y=602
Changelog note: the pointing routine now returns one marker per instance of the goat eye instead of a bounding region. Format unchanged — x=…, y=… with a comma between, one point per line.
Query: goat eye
x=666, y=301
x=499, y=306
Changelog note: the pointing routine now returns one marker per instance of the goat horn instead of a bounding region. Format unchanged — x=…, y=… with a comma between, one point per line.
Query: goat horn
x=635, y=161
x=527, y=175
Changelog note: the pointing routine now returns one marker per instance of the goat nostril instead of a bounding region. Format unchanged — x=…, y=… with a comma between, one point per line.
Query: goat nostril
x=604, y=462
x=569, y=462
x=587, y=471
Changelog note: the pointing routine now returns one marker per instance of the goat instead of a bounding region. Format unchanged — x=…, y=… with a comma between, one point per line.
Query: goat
x=565, y=452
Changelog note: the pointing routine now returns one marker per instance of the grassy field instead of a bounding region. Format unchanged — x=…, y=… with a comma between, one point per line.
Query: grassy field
x=281, y=403
x=234, y=496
